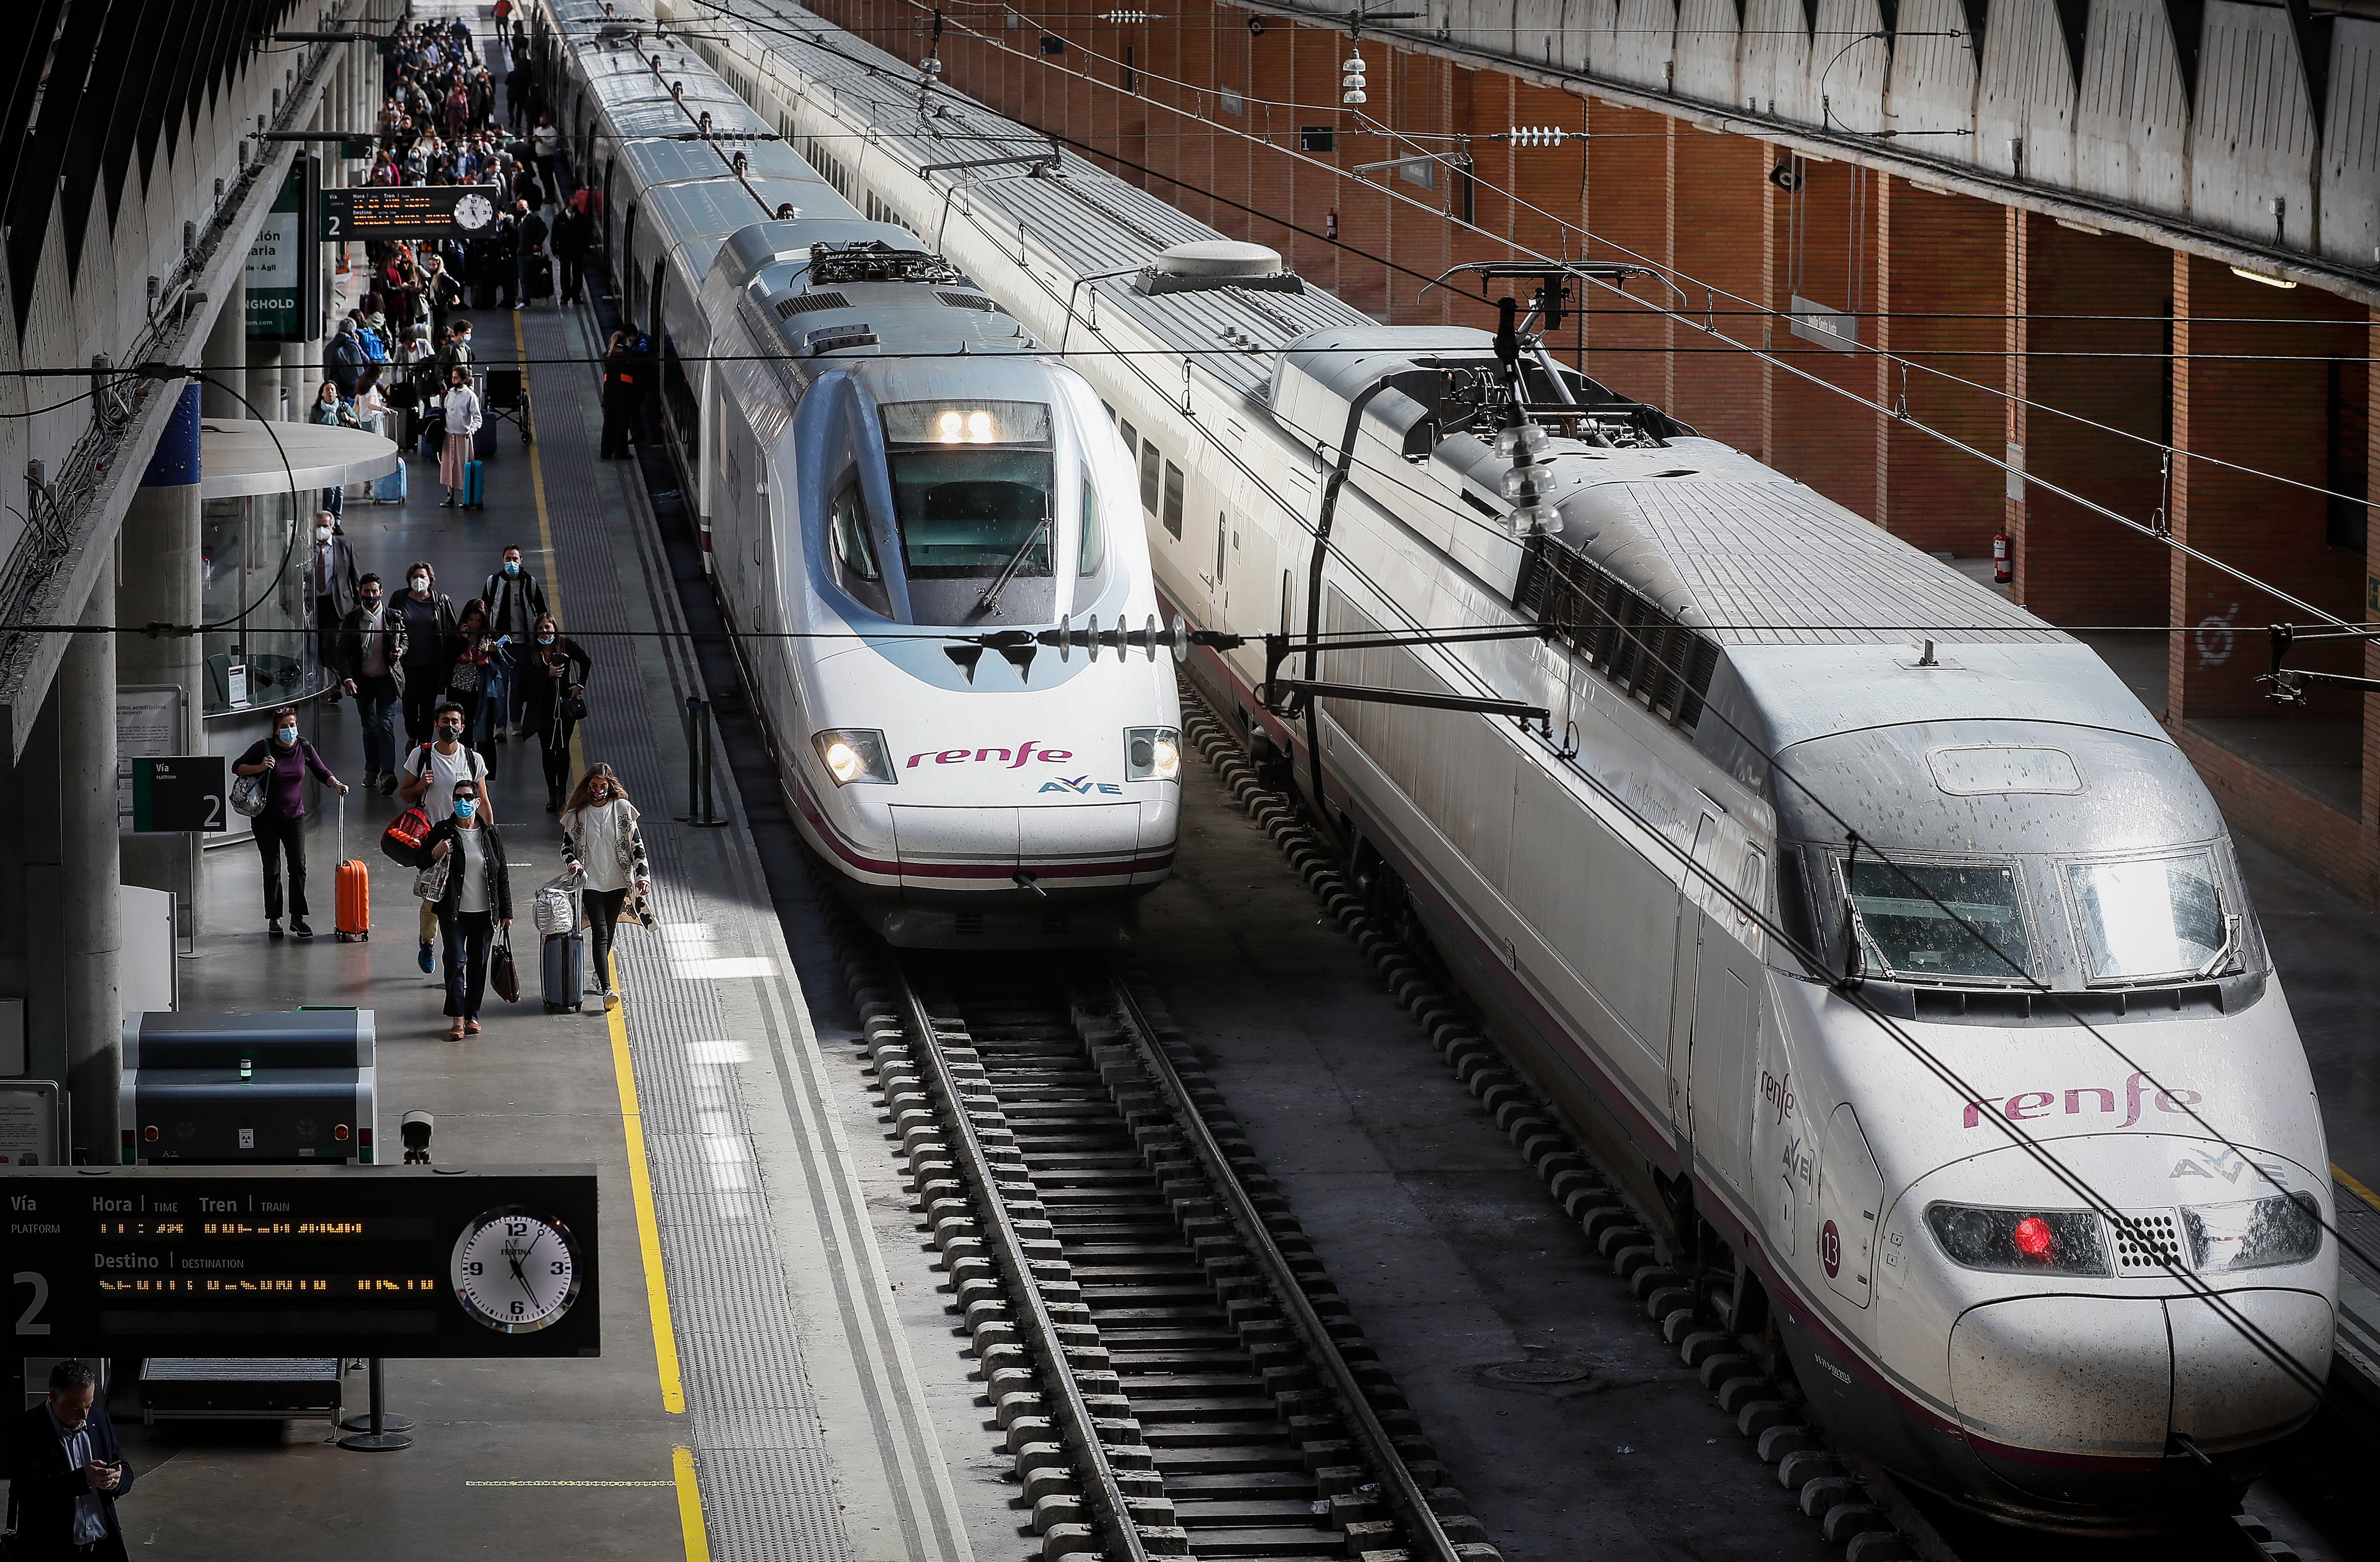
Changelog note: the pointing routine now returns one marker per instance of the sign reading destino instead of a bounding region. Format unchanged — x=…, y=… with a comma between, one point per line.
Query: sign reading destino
x=302, y=1261
x=366, y=211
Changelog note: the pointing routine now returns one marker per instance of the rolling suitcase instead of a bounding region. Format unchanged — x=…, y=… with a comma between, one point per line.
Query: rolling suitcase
x=434, y=434
x=565, y=963
x=390, y=489
x=540, y=278
x=475, y=484
x=352, y=915
x=483, y=441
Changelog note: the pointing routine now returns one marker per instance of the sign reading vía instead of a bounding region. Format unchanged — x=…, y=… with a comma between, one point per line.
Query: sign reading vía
x=302, y=1261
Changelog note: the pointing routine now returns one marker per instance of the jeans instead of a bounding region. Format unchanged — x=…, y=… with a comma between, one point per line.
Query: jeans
x=425, y=691
x=602, y=922
x=376, y=701
x=493, y=698
x=275, y=838
x=334, y=500
x=468, y=935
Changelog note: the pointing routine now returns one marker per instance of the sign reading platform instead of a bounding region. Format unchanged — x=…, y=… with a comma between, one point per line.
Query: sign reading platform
x=302, y=1261
x=180, y=793
x=366, y=212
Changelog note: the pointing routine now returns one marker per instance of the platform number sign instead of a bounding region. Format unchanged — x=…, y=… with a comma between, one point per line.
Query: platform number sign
x=180, y=793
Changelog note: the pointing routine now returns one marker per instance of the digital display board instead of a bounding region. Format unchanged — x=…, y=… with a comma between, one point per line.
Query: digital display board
x=302, y=1261
x=357, y=213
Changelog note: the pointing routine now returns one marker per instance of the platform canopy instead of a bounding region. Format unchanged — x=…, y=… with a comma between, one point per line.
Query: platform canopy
x=239, y=455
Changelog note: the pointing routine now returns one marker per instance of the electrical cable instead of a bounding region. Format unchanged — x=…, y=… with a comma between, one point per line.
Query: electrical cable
x=2245, y=1326
x=1668, y=272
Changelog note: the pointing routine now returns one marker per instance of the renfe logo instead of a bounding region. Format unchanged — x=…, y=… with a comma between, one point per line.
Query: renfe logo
x=2028, y=1103
x=1024, y=750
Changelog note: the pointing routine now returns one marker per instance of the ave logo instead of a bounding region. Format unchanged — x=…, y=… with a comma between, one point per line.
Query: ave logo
x=1081, y=785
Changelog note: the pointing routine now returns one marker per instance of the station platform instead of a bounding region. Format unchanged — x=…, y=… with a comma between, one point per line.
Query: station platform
x=756, y=1395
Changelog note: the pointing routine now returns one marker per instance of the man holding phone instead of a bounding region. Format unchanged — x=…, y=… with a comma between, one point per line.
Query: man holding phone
x=67, y=1472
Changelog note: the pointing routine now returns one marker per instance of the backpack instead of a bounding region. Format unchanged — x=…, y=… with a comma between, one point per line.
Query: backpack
x=401, y=841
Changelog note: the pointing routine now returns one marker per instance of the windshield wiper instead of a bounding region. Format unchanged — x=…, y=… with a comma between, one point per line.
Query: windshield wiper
x=989, y=599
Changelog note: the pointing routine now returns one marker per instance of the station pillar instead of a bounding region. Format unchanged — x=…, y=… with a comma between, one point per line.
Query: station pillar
x=162, y=531
x=89, y=906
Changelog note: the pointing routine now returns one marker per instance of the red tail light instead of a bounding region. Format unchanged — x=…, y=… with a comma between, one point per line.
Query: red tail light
x=2033, y=1237
x=340, y=1133
x=150, y=1133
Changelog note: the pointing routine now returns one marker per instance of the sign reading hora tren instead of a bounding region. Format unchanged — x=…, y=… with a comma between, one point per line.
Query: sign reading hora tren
x=302, y=1261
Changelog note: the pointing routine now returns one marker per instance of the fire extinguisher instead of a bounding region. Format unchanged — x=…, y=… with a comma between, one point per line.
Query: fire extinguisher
x=2003, y=565
x=1330, y=224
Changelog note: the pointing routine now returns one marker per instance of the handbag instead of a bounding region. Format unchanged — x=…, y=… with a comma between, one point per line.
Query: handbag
x=248, y=795
x=503, y=975
x=571, y=707
x=429, y=884
x=466, y=676
x=556, y=909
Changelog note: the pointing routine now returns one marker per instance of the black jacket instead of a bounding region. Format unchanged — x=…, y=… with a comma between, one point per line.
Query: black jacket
x=574, y=232
x=500, y=889
x=351, y=644
x=541, y=689
x=439, y=649
x=532, y=602
x=43, y=1490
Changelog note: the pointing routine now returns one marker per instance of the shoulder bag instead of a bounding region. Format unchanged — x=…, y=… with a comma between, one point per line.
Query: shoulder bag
x=248, y=795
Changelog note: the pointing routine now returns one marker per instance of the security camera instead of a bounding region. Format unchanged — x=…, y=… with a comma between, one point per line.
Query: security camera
x=1788, y=176
x=415, y=1129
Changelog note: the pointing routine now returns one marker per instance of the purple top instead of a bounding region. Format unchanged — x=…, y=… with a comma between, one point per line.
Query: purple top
x=285, y=794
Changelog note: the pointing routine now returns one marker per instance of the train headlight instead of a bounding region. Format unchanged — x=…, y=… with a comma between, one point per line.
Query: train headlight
x=2022, y=1241
x=2253, y=1234
x=1153, y=754
x=853, y=755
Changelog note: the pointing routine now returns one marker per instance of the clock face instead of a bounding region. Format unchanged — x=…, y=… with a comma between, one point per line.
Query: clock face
x=515, y=1270
x=474, y=211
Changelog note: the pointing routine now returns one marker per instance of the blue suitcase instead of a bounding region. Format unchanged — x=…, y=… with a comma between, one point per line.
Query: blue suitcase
x=483, y=441
x=563, y=963
x=475, y=486
x=391, y=490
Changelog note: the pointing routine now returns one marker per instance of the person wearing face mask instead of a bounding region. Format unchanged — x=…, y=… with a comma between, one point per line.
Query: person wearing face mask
x=600, y=843
x=280, y=829
x=331, y=582
x=461, y=408
x=553, y=678
x=373, y=644
x=430, y=772
x=516, y=601
x=430, y=647
x=477, y=901
x=67, y=1474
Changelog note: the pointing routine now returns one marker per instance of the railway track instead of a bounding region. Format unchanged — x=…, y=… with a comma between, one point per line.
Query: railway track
x=1170, y=1368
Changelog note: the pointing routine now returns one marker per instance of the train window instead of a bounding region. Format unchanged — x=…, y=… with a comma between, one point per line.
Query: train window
x=1131, y=435
x=847, y=524
x=1092, y=548
x=1148, y=466
x=2147, y=919
x=1173, y=500
x=971, y=488
x=1941, y=921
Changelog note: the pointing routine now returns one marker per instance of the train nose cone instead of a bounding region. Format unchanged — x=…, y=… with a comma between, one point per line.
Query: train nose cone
x=2074, y=1398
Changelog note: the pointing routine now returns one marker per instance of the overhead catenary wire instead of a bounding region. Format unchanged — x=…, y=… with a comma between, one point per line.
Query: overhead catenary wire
x=1756, y=308
x=2216, y=1300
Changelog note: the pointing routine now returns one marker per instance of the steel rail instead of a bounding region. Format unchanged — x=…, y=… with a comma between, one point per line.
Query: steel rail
x=1425, y=1535
x=1073, y=1417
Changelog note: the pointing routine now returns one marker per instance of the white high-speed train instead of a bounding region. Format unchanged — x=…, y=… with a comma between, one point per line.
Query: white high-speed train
x=1998, y=1119
x=916, y=519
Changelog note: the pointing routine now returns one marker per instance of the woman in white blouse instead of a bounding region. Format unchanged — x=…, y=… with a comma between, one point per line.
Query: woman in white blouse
x=462, y=421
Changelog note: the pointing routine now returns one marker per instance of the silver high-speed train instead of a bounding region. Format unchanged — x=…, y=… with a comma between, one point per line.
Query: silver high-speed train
x=905, y=501
x=1995, y=1124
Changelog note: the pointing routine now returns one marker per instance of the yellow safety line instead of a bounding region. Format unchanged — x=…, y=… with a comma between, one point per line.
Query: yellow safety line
x=2361, y=1192
x=689, y=1502
x=640, y=1177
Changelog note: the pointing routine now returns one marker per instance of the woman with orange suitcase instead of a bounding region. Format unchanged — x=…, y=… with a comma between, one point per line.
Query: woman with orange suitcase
x=281, y=827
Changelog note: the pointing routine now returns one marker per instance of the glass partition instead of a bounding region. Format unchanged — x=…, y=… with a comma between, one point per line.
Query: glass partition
x=260, y=589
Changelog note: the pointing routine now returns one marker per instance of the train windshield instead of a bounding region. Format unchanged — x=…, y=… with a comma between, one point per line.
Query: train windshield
x=971, y=489
x=2142, y=920
x=1941, y=921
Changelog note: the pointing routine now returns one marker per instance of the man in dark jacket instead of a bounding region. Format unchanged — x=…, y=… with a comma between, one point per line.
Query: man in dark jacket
x=574, y=235
x=532, y=233
x=371, y=660
x=516, y=600
x=67, y=1474
x=331, y=582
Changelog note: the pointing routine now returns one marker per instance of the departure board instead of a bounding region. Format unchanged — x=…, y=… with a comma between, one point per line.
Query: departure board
x=354, y=214
x=302, y=1261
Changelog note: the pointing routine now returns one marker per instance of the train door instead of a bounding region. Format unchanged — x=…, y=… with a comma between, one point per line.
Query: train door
x=1715, y=1009
x=1850, y=1196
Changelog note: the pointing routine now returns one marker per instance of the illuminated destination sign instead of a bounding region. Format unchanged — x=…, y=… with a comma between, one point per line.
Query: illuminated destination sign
x=357, y=213
x=302, y=1261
